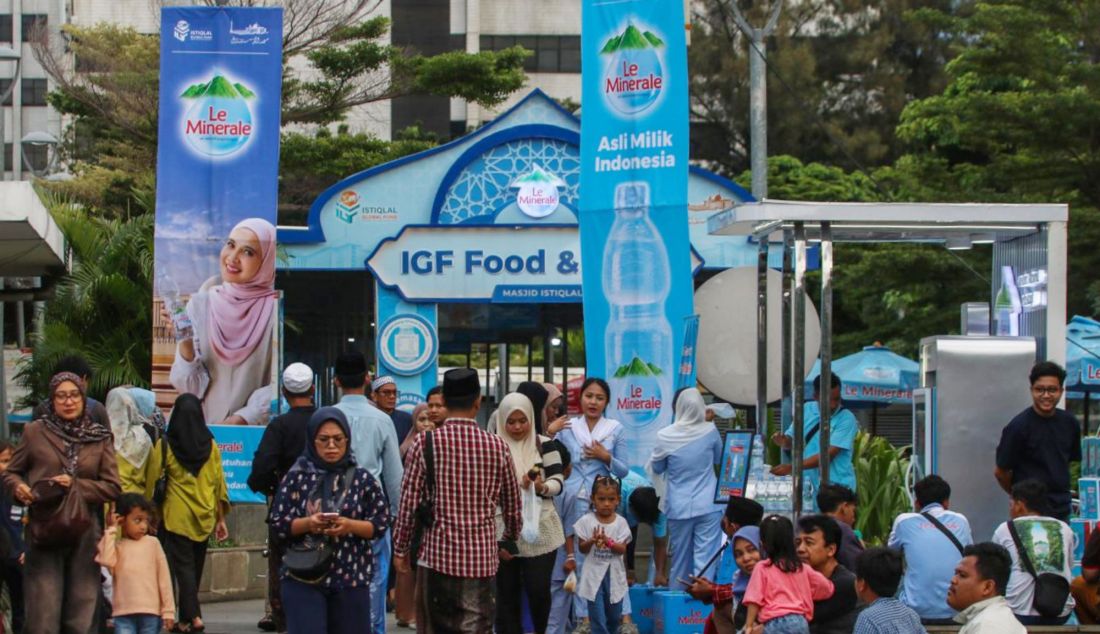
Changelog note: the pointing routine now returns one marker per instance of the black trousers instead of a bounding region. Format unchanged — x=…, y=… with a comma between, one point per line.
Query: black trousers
x=524, y=574
x=13, y=580
x=185, y=561
x=276, y=548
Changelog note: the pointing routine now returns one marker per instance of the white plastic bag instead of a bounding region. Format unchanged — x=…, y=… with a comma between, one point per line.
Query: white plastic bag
x=532, y=509
x=570, y=584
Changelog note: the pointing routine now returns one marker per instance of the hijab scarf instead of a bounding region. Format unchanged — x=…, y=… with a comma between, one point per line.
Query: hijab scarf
x=415, y=431
x=688, y=425
x=750, y=534
x=188, y=436
x=239, y=315
x=537, y=394
x=146, y=402
x=525, y=452
x=311, y=461
x=76, y=432
x=552, y=394
x=128, y=425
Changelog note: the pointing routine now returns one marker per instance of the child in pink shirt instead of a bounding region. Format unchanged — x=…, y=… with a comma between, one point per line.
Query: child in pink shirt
x=142, y=602
x=782, y=589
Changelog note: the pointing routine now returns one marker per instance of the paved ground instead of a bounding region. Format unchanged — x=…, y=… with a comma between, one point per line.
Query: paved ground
x=239, y=617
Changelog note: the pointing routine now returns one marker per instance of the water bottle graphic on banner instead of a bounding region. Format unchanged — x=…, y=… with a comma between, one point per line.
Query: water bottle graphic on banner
x=638, y=340
x=175, y=307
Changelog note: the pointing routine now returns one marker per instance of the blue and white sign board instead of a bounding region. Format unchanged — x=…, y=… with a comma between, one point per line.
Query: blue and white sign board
x=238, y=444
x=407, y=346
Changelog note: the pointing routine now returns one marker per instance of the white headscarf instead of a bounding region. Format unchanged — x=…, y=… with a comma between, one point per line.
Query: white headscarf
x=132, y=442
x=525, y=452
x=689, y=424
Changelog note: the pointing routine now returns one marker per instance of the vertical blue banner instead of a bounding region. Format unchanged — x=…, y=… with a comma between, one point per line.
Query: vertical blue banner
x=215, y=312
x=686, y=377
x=635, y=246
x=407, y=345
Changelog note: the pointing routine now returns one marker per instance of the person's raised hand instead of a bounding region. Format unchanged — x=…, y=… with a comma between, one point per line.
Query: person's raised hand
x=557, y=425
x=598, y=452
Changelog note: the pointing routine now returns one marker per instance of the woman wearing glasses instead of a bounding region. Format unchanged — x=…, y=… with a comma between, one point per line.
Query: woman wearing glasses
x=195, y=504
x=66, y=449
x=327, y=500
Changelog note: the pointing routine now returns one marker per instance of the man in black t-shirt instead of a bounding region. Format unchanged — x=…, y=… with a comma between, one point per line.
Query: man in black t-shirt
x=818, y=540
x=1041, y=441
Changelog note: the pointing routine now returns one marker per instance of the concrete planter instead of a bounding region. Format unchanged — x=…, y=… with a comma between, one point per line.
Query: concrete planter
x=234, y=574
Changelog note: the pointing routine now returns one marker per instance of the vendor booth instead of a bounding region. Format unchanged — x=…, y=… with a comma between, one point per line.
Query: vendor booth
x=471, y=243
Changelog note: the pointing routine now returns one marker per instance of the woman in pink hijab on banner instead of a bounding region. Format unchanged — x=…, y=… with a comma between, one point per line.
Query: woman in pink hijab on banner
x=227, y=362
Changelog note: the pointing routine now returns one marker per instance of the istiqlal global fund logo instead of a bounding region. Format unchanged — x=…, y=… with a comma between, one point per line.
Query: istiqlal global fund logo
x=633, y=76
x=218, y=119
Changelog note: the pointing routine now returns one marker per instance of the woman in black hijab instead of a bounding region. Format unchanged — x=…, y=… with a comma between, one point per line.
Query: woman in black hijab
x=326, y=497
x=195, y=504
x=538, y=394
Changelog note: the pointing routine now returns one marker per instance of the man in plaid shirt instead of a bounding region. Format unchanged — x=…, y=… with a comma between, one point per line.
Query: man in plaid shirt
x=459, y=553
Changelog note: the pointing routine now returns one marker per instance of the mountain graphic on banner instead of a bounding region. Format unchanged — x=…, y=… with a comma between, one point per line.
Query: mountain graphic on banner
x=218, y=87
x=637, y=367
x=632, y=38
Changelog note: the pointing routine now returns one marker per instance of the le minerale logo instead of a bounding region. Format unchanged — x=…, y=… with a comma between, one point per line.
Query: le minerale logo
x=218, y=122
x=633, y=78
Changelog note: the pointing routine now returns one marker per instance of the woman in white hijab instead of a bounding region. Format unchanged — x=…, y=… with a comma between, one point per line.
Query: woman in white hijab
x=682, y=470
x=132, y=441
x=538, y=469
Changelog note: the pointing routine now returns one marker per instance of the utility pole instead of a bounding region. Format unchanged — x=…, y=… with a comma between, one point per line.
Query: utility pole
x=758, y=94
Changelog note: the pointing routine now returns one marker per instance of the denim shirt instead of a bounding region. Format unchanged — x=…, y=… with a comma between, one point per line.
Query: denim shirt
x=374, y=444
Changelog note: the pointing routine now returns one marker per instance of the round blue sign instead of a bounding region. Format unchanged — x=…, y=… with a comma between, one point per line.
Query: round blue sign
x=407, y=344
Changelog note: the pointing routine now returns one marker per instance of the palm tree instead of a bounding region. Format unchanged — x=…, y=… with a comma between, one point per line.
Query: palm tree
x=102, y=310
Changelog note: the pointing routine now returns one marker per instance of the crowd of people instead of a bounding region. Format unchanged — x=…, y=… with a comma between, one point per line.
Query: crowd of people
x=528, y=525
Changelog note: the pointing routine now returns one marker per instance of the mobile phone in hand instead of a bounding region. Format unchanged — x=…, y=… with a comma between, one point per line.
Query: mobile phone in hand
x=330, y=517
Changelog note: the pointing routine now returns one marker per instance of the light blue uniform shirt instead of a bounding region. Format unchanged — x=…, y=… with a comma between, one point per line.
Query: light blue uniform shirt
x=374, y=444
x=930, y=558
x=632, y=481
x=843, y=428
x=692, y=482
x=585, y=470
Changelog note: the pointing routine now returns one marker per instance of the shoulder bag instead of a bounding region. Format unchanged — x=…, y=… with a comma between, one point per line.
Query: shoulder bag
x=943, y=529
x=425, y=509
x=58, y=516
x=309, y=559
x=1051, y=590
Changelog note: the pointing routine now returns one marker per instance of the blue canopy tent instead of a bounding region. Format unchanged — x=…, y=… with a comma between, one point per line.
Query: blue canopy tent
x=876, y=375
x=1082, y=360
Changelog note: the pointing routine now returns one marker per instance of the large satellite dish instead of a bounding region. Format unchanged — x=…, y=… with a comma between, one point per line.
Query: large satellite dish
x=726, y=357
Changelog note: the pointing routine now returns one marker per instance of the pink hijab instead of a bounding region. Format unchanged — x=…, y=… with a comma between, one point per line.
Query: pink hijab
x=240, y=314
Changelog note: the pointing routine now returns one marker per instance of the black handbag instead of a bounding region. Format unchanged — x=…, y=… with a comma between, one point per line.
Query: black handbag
x=425, y=510
x=1051, y=590
x=309, y=559
x=160, y=487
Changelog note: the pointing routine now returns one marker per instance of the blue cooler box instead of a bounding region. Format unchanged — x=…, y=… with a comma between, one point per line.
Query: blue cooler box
x=642, y=606
x=678, y=613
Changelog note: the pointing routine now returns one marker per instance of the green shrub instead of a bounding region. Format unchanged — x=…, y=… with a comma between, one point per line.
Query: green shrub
x=880, y=477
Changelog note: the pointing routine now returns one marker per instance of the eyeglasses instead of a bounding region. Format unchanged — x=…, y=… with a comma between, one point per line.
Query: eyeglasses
x=331, y=441
x=1046, y=390
x=62, y=397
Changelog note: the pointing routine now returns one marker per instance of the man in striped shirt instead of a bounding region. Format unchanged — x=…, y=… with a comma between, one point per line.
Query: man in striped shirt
x=459, y=553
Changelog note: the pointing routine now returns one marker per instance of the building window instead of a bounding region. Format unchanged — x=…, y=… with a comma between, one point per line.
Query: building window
x=32, y=22
x=7, y=157
x=549, y=53
x=34, y=92
x=5, y=84
x=6, y=28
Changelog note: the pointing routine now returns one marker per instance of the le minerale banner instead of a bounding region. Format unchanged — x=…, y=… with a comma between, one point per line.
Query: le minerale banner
x=215, y=306
x=635, y=248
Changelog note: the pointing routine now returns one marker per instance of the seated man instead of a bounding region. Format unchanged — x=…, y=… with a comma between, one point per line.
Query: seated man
x=1038, y=533
x=878, y=575
x=818, y=539
x=977, y=591
x=932, y=540
x=1086, y=588
x=839, y=502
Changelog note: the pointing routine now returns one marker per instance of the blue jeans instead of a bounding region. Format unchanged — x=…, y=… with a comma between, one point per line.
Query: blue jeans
x=604, y=615
x=788, y=624
x=311, y=609
x=381, y=550
x=137, y=624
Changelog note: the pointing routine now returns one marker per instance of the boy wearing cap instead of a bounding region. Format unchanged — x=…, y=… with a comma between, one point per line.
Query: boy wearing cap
x=283, y=441
x=459, y=552
x=375, y=447
x=384, y=393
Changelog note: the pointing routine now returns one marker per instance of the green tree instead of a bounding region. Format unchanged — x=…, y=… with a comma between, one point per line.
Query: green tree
x=1017, y=120
x=101, y=310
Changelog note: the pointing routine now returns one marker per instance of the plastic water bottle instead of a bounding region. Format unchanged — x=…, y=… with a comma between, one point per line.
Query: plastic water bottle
x=638, y=339
x=177, y=309
x=756, y=471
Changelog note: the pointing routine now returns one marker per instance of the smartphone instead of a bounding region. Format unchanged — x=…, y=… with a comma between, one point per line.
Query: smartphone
x=330, y=517
x=686, y=584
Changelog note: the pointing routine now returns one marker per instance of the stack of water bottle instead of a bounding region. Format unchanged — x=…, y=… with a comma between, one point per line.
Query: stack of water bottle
x=774, y=493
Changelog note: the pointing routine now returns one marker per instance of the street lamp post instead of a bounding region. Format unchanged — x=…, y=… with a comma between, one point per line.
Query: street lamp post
x=37, y=140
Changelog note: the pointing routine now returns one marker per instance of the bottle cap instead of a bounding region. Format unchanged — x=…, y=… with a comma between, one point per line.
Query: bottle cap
x=632, y=195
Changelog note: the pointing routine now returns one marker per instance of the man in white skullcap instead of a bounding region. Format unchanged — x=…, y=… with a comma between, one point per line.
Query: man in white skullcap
x=283, y=441
x=384, y=394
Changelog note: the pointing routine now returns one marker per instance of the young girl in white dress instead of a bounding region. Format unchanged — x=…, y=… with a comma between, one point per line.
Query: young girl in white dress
x=602, y=535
